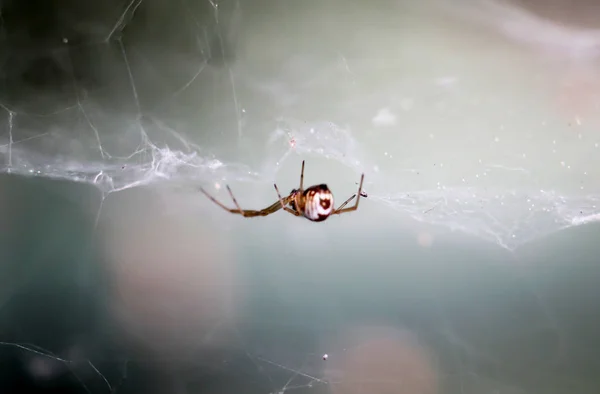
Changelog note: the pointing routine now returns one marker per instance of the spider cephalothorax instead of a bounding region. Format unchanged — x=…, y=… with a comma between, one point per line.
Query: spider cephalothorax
x=315, y=203
x=293, y=194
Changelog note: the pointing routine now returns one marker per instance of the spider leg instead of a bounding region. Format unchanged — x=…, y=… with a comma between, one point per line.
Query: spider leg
x=346, y=202
x=279, y=195
x=355, y=206
x=362, y=194
x=290, y=210
x=240, y=210
x=283, y=204
x=302, y=176
x=244, y=212
x=218, y=202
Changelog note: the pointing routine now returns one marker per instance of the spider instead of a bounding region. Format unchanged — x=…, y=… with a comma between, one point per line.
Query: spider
x=314, y=203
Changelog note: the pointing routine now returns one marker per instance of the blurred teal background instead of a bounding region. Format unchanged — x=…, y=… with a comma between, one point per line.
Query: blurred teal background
x=471, y=267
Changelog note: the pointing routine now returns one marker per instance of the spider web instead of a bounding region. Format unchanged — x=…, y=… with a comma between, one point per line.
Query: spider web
x=117, y=117
x=145, y=93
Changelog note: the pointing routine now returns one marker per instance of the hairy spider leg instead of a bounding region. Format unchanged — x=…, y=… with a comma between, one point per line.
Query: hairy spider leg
x=287, y=201
x=246, y=213
x=355, y=206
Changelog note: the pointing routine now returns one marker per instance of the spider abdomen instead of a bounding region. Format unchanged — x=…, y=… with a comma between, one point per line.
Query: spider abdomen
x=318, y=203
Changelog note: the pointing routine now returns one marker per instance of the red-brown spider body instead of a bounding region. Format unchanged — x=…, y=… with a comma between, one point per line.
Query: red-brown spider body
x=314, y=203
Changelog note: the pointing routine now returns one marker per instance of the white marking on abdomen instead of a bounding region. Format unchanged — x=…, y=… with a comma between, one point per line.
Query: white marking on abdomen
x=314, y=209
